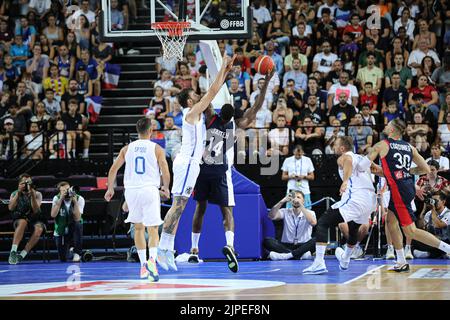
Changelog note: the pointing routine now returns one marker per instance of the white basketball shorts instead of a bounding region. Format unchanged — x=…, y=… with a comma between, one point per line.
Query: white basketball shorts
x=144, y=206
x=185, y=174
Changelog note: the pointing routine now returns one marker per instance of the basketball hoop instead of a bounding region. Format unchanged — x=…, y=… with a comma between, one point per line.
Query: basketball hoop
x=173, y=37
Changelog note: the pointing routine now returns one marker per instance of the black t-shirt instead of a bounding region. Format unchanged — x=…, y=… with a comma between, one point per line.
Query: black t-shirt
x=400, y=95
x=333, y=77
x=317, y=115
x=20, y=124
x=343, y=114
x=303, y=43
x=23, y=102
x=238, y=97
x=290, y=101
x=71, y=123
x=66, y=97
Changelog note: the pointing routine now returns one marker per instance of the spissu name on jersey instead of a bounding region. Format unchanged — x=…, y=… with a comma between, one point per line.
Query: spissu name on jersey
x=219, y=139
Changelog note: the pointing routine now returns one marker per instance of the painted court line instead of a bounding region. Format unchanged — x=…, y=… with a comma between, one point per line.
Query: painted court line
x=364, y=274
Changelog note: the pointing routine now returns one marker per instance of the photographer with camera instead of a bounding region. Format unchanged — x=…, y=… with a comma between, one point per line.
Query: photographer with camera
x=25, y=207
x=431, y=182
x=67, y=210
x=298, y=222
x=436, y=220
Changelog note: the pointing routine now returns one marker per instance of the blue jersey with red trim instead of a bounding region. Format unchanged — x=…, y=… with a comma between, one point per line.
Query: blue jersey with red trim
x=219, y=140
x=396, y=165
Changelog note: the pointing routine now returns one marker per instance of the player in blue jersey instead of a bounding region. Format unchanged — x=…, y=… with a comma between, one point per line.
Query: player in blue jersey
x=214, y=184
x=396, y=158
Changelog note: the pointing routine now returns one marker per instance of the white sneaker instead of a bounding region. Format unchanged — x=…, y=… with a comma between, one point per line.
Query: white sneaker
x=408, y=253
x=316, y=268
x=390, y=253
x=121, y=53
x=275, y=256
x=339, y=253
x=76, y=257
x=133, y=52
x=306, y=256
x=161, y=259
x=421, y=254
x=357, y=253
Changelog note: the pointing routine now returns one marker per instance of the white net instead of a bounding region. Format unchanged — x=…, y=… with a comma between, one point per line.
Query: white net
x=173, y=38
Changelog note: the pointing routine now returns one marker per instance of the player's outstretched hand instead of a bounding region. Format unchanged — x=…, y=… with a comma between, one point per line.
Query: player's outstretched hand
x=109, y=194
x=343, y=188
x=228, y=61
x=164, y=194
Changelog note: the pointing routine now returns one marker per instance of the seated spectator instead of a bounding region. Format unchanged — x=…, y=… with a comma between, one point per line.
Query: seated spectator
x=6, y=36
x=72, y=93
x=72, y=45
x=441, y=80
x=65, y=62
x=25, y=207
x=431, y=182
x=368, y=118
x=273, y=87
x=31, y=88
x=362, y=135
x=169, y=65
x=11, y=74
x=417, y=55
x=103, y=53
x=295, y=54
x=427, y=68
x=243, y=77
x=443, y=133
x=52, y=106
x=53, y=32
x=282, y=109
x=314, y=89
x=355, y=28
x=20, y=122
x=201, y=84
x=83, y=32
x=418, y=132
x=47, y=49
x=8, y=140
x=293, y=97
x=34, y=143
x=159, y=105
x=67, y=210
x=310, y=136
x=193, y=64
x=60, y=145
x=300, y=79
x=425, y=33
x=369, y=97
x=326, y=28
x=331, y=134
x=242, y=60
x=312, y=110
x=176, y=114
x=267, y=98
x=166, y=83
x=430, y=95
x=41, y=117
x=56, y=83
x=279, y=31
x=398, y=65
x=23, y=100
x=436, y=221
x=74, y=125
x=26, y=32
x=38, y=65
x=436, y=155
x=323, y=61
x=261, y=14
x=5, y=101
x=277, y=59
x=342, y=111
x=405, y=22
x=40, y=7
x=301, y=39
x=333, y=75
x=279, y=138
x=419, y=106
x=298, y=221
x=392, y=112
x=172, y=135
x=253, y=48
x=370, y=48
x=395, y=92
x=349, y=46
x=89, y=64
x=343, y=86
x=183, y=78
x=370, y=73
x=157, y=135
x=19, y=53
x=239, y=98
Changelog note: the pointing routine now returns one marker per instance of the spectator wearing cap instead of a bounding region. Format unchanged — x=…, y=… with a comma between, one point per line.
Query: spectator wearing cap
x=277, y=59
x=297, y=75
x=8, y=140
x=436, y=155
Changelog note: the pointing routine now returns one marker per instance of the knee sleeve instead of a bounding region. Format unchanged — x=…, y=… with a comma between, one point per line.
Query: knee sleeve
x=353, y=233
x=332, y=217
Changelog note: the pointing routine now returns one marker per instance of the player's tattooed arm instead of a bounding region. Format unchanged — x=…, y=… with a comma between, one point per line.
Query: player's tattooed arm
x=173, y=217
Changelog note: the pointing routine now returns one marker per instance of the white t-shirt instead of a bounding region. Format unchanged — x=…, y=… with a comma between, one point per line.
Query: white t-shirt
x=325, y=61
x=417, y=56
x=332, y=9
x=308, y=31
x=444, y=216
x=40, y=5
x=267, y=99
x=444, y=162
x=263, y=118
x=280, y=137
x=337, y=89
x=261, y=15
x=35, y=144
x=410, y=25
x=302, y=167
x=296, y=229
x=169, y=65
x=444, y=135
x=275, y=81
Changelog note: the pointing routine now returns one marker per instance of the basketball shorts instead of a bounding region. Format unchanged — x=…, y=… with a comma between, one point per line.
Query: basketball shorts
x=185, y=174
x=357, y=207
x=144, y=206
x=217, y=190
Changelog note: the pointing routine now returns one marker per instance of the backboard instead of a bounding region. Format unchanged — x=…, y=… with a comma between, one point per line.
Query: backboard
x=210, y=20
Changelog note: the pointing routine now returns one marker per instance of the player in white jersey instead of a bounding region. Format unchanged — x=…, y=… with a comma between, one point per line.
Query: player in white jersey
x=186, y=166
x=358, y=201
x=145, y=163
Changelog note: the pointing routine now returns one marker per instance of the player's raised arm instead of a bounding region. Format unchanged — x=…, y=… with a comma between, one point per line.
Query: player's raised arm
x=112, y=174
x=422, y=166
x=164, y=167
x=203, y=104
x=250, y=114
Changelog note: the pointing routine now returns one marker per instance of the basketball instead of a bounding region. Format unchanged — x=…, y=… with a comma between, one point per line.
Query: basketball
x=264, y=65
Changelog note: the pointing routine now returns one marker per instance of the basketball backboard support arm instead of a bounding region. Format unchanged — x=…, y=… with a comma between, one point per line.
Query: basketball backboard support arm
x=234, y=23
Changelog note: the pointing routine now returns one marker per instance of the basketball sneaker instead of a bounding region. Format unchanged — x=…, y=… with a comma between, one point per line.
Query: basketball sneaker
x=153, y=274
x=193, y=257
x=357, y=253
x=231, y=258
x=316, y=268
x=144, y=272
x=339, y=253
x=421, y=254
x=408, y=253
x=19, y=259
x=275, y=256
x=399, y=268
x=306, y=256
x=161, y=259
x=170, y=259
x=390, y=253
x=12, y=257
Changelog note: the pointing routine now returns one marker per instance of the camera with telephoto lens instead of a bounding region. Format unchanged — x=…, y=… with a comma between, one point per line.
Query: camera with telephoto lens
x=72, y=192
x=428, y=199
x=28, y=185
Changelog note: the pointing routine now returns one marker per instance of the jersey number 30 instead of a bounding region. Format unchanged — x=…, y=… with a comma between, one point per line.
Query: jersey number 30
x=139, y=165
x=403, y=161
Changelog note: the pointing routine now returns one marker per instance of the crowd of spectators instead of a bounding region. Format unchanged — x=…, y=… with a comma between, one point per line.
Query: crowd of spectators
x=337, y=72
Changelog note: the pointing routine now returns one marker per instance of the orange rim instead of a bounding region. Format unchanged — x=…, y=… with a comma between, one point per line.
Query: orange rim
x=173, y=28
